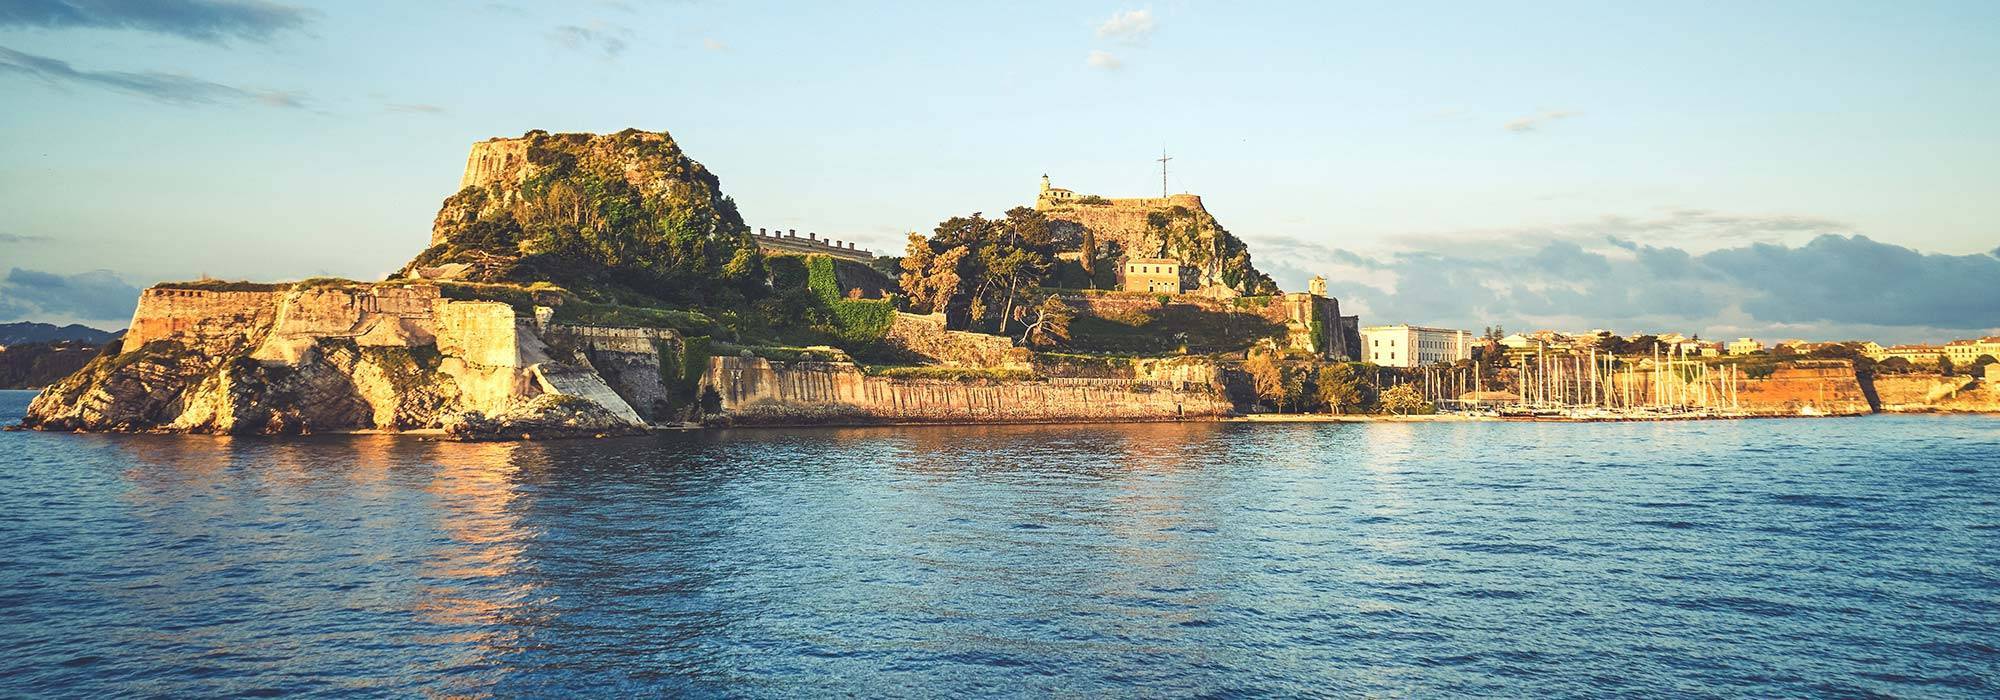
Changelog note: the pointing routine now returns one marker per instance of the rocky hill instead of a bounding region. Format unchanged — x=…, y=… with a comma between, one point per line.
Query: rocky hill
x=613, y=217
x=537, y=310
x=36, y=365
x=1176, y=227
x=30, y=332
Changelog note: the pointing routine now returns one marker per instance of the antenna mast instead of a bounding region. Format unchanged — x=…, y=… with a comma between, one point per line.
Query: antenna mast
x=1163, y=172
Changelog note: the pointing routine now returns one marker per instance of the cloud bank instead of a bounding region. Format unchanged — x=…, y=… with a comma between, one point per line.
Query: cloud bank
x=213, y=21
x=1831, y=287
x=1536, y=121
x=165, y=87
x=1130, y=26
x=98, y=296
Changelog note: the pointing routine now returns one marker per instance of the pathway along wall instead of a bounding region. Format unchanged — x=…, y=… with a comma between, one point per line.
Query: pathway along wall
x=755, y=391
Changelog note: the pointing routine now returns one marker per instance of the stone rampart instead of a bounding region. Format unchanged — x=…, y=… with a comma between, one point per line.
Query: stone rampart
x=483, y=333
x=1791, y=391
x=758, y=391
x=228, y=317
x=924, y=335
x=496, y=161
x=627, y=358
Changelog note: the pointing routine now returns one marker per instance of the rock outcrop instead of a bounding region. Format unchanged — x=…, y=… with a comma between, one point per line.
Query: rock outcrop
x=321, y=357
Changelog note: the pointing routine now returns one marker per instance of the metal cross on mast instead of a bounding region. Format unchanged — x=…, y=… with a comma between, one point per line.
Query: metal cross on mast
x=1163, y=172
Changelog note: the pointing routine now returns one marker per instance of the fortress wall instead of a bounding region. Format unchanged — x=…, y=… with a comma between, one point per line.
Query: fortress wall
x=1790, y=390
x=624, y=339
x=627, y=358
x=925, y=336
x=496, y=161
x=1296, y=310
x=198, y=314
x=347, y=311
x=483, y=333
x=758, y=391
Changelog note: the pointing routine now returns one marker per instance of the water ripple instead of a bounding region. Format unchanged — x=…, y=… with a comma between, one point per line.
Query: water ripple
x=1739, y=558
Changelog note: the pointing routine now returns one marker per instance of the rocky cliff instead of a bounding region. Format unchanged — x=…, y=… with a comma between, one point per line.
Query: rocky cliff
x=610, y=216
x=1932, y=393
x=321, y=357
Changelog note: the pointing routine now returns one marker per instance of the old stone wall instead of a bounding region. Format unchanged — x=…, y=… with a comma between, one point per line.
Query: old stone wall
x=1802, y=390
x=924, y=335
x=628, y=360
x=496, y=161
x=226, y=318
x=758, y=391
x=1296, y=311
x=483, y=333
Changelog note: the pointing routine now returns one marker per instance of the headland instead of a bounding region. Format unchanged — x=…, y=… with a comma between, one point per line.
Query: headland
x=596, y=285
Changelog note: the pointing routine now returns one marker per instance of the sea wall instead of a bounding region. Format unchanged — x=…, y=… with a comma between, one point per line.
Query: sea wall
x=756, y=391
x=1791, y=391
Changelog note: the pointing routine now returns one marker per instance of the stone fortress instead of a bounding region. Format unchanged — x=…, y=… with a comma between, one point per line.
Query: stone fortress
x=1146, y=263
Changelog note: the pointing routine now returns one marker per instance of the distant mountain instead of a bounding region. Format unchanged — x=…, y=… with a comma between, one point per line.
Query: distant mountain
x=36, y=365
x=30, y=332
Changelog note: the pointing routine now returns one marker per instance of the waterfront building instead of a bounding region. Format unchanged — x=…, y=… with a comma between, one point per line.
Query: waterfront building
x=1414, y=346
x=1744, y=346
x=1916, y=354
x=1966, y=352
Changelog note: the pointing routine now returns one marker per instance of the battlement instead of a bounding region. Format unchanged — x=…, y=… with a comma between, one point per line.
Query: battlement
x=788, y=241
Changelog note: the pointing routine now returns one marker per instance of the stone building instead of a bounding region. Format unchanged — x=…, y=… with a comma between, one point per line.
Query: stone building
x=1744, y=346
x=1414, y=346
x=1157, y=275
x=1966, y=352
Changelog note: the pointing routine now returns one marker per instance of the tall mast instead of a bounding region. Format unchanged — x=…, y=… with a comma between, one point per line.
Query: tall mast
x=1163, y=172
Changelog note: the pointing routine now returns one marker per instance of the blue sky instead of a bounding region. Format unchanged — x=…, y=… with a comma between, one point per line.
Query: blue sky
x=1568, y=165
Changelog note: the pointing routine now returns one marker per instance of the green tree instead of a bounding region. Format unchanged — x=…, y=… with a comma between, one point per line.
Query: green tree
x=1267, y=378
x=1339, y=388
x=976, y=269
x=1945, y=367
x=1404, y=400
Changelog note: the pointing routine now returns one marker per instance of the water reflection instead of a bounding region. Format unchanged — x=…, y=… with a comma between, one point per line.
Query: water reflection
x=1180, y=559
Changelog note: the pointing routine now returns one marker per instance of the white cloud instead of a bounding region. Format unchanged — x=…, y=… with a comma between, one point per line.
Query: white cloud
x=1104, y=60
x=714, y=45
x=1535, y=121
x=599, y=36
x=1130, y=26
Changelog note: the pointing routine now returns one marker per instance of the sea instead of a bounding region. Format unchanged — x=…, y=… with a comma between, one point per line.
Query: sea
x=1830, y=557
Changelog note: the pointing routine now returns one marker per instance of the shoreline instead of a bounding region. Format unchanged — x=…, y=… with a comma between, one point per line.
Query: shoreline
x=439, y=434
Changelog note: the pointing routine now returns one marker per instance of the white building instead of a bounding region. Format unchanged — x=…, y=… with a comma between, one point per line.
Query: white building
x=1413, y=346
